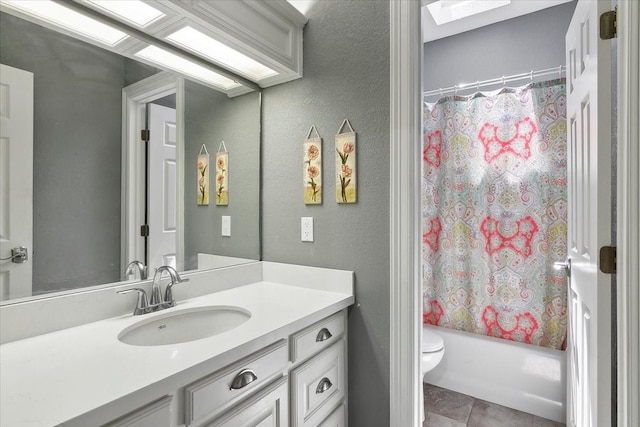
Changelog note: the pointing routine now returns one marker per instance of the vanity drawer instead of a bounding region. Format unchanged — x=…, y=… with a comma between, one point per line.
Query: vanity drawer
x=317, y=337
x=318, y=386
x=268, y=407
x=212, y=394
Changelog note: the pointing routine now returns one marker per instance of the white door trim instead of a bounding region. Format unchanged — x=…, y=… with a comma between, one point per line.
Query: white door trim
x=133, y=99
x=405, y=168
x=404, y=360
x=628, y=259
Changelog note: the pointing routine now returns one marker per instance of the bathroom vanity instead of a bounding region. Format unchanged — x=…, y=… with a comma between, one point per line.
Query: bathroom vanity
x=285, y=364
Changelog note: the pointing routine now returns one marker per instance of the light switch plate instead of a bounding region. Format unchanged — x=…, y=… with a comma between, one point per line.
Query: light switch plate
x=226, y=226
x=306, y=228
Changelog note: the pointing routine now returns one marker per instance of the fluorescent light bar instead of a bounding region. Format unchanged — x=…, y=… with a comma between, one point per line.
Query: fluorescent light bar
x=68, y=19
x=174, y=62
x=445, y=11
x=134, y=11
x=192, y=39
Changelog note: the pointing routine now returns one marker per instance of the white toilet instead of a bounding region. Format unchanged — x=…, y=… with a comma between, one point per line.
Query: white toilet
x=432, y=349
x=432, y=353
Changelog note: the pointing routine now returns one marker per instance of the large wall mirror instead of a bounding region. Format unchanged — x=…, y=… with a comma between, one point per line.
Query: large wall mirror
x=79, y=175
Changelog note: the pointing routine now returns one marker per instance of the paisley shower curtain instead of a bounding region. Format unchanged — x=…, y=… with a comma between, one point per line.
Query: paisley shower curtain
x=494, y=217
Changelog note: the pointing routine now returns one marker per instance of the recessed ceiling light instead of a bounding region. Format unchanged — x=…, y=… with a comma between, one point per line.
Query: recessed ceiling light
x=174, y=62
x=192, y=39
x=68, y=19
x=134, y=11
x=445, y=11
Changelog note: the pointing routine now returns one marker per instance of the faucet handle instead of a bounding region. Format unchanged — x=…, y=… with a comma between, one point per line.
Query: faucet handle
x=168, y=293
x=142, y=304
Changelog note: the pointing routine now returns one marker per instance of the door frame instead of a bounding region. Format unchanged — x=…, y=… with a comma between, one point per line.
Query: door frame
x=405, y=132
x=404, y=212
x=134, y=98
x=628, y=214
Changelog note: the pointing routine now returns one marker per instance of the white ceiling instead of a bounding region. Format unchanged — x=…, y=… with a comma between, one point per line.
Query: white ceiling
x=431, y=31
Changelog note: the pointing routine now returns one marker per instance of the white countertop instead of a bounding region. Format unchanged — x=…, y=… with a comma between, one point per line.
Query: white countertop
x=49, y=379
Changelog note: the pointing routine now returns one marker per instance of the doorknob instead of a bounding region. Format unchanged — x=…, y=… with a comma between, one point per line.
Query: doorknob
x=566, y=266
x=18, y=255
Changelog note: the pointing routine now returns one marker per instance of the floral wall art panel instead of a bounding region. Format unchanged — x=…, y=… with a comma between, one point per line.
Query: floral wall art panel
x=203, y=177
x=312, y=170
x=222, y=178
x=346, y=166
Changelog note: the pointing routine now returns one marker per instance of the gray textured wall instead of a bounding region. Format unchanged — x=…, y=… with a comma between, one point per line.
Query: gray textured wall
x=210, y=117
x=77, y=145
x=346, y=75
x=519, y=45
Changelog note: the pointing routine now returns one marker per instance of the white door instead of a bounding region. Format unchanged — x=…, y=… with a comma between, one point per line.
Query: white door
x=163, y=182
x=16, y=179
x=589, y=191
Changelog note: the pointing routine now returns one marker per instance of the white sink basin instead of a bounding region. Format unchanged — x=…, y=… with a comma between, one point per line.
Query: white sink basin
x=178, y=326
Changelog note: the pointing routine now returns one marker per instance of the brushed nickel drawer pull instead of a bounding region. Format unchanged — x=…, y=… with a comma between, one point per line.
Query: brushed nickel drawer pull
x=323, y=335
x=243, y=379
x=323, y=385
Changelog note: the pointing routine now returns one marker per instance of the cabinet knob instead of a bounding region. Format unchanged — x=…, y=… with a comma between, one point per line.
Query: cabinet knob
x=323, y=335
x=323, y=385
x=243, y=379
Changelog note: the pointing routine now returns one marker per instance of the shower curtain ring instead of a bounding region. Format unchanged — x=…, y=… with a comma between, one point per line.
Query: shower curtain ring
x=532, y=76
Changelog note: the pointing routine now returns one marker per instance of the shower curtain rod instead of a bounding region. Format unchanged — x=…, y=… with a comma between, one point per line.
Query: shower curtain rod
x=560, y=70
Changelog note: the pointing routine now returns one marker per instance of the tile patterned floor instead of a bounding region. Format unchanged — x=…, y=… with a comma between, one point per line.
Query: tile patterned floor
x=446, y=408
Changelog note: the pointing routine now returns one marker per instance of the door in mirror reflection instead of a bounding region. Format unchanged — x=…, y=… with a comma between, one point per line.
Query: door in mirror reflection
x=16, y=180
x=162, y=187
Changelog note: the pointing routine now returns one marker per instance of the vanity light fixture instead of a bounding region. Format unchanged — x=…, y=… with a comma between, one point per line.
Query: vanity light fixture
x=61, y=16
x=445, y=11
x=169, y=60
x=191, y=39
x=133, y=11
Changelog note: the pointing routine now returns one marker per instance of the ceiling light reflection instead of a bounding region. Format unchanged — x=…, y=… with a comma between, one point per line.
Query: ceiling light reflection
x=174, y=62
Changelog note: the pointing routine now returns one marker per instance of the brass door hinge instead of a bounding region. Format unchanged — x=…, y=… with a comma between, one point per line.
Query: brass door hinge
x=144, y=230
x=145, y=134
x=608, y=25
x=608, y=259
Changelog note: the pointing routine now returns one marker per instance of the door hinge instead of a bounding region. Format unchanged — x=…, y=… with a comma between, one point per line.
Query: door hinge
x=608, y=25
x=145, y=134
x=608, y=259
x=144, y=230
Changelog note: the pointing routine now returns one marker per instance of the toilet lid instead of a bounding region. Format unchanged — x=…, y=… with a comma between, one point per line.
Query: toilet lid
x=431, y=341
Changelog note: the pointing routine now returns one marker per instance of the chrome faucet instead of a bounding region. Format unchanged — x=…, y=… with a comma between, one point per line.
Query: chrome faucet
x=157, y=302
x=139, y=266
x=156, y=295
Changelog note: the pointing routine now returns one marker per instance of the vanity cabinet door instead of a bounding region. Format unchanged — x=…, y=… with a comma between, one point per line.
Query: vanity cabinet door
x=156, y=414
x=318, y=386
x=212, y=395
x=268, y=408
x=336, y=419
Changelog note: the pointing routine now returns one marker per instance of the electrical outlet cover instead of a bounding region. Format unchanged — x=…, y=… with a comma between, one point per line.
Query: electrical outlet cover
x=306, y=228
x=226, y=226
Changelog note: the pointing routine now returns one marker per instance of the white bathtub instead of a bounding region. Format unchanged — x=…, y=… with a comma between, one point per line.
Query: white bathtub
x=520, y=376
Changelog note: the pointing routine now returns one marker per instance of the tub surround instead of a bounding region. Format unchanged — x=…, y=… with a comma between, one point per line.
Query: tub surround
x=61, y=376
